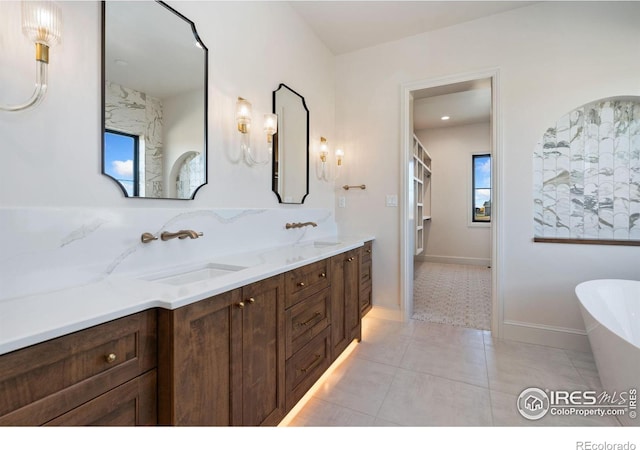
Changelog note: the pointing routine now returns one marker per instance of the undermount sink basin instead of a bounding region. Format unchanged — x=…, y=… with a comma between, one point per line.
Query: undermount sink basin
x=320, y=244
x=193, y=275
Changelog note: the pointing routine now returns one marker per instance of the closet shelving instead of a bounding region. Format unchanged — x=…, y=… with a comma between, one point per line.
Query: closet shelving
x=421, y=191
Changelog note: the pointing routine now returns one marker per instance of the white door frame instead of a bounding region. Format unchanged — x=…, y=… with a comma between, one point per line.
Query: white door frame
x=406, y=179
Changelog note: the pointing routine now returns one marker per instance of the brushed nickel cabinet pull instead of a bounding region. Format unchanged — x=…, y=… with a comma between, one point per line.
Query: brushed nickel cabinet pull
x=323, y=275
x=241, y=305
x=111, y=357
x=301, y=284
x=369, y=251
x=252, y=300
x=312, y=365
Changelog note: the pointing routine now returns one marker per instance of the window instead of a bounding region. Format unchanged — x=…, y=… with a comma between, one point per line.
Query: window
x=121, y=160
x=481, y=194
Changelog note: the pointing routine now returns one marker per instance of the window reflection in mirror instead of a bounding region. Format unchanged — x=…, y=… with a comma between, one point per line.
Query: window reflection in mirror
x=121, y=160
x=155, y=89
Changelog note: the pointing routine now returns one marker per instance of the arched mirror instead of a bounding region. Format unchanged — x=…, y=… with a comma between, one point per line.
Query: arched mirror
x=290, y=146
x=154, y=100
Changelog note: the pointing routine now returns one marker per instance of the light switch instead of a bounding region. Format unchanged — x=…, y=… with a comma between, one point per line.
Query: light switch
x=342, y=201
x=392, y=200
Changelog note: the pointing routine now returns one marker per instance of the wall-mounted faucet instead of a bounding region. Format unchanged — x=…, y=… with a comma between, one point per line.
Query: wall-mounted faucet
x=300, y=225
x=147, y=237
x=166, y=235
x=182, y=234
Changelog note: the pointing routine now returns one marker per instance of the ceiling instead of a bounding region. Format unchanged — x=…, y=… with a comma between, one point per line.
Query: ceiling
x=464, y=103
x=346, y=26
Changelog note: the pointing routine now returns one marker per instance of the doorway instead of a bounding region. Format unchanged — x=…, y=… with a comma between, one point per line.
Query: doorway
x=474, y=267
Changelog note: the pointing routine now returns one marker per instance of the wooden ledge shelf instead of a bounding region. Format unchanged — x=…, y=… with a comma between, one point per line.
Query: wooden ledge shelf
x=587, y=241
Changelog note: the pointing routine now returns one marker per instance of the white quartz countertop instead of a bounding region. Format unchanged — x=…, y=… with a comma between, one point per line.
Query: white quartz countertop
x=33, y=319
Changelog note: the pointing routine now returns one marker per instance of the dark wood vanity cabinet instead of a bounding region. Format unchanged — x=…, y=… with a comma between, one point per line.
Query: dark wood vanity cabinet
x=221, y=360
x=366, y=278
x=345, y=300
x=104, y=375
x=244, y=357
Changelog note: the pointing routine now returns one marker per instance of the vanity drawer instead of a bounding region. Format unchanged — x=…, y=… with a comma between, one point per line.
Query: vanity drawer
x=306, y=280
x=366, y=302
x=46, y=380
x=365, y=272
x=366, y=252
x=306, y=366
x=306, y=319
x=131, y=404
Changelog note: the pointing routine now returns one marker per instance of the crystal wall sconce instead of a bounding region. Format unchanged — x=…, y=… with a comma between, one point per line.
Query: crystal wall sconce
x=42, y=24
x=324, y=170
x=243, y=120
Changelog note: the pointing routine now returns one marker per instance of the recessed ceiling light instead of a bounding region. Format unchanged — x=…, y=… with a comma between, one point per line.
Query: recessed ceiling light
x=445, y=117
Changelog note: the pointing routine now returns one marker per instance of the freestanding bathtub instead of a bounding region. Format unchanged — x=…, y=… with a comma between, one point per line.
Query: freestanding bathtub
x=611, y=313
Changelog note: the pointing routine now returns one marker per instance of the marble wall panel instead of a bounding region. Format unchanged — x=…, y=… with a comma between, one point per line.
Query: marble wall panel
x=538, y=210
x=191, y=175
x=576, y=183
x=587, y=173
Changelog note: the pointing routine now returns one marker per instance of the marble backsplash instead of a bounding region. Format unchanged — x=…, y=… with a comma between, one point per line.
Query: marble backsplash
x=46, y=249
x=587, y=173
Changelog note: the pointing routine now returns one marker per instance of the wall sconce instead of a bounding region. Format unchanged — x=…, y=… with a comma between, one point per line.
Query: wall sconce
x=270, y=128
x=323, y=171
x=42, y=24
x=243, y=119
x=339, y=156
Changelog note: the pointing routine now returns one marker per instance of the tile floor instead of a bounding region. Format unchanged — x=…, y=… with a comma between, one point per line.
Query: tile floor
x=428, y=374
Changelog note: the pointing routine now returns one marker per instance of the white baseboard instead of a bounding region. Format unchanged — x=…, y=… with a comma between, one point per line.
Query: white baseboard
x=454, y=260
x=566, y=338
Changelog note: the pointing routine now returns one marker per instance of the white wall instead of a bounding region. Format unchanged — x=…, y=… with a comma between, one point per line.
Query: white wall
x=449, y=237
x=51, y=155
x=552, y=57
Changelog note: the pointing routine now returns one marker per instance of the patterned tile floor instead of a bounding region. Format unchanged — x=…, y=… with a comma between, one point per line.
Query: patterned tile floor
x=454, y=294
x=426, y=374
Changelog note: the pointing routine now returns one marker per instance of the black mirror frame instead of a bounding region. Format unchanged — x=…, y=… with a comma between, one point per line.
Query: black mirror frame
x=206, y=102
x=274, y=162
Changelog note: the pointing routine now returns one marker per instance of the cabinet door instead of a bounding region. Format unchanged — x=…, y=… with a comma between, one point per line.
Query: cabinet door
x=345, y=301
x=263, y=353
x=200, y=353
